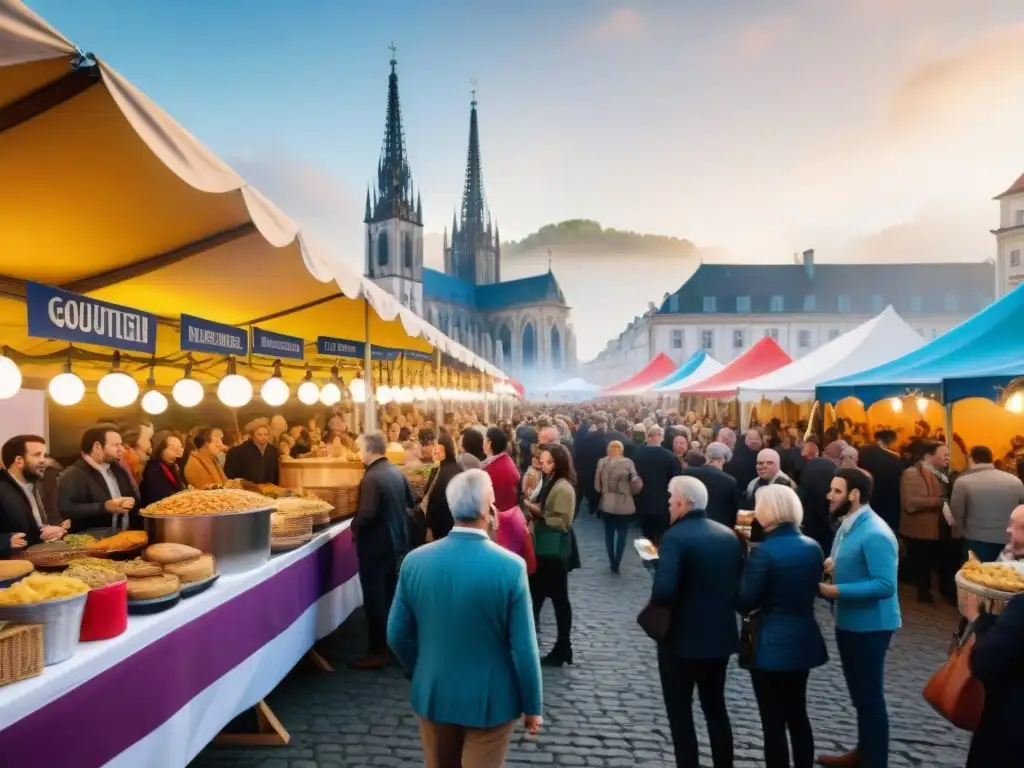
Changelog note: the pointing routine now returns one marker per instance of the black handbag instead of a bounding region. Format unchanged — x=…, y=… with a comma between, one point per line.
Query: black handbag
x=655, y=619
x=749, y=630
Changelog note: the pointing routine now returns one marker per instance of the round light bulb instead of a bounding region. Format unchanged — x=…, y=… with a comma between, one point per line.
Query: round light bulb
x=404, y=395
x=66, y=389
x=383, y=394
x=896, y=404
x=275, y=391
x=154, y=402
x=357, y=388
x=922, y=405
x=431, y=393
x=234, y=390
x=418, y=393
x=118, y=390
x=187, y=392
x=330, y=394
x=10, y=378
x=309, y=393
x=1016, y=403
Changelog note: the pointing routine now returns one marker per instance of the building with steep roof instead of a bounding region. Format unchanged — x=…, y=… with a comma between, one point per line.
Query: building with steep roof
x=1010, y=238
x=521, y=325
x=723, y=309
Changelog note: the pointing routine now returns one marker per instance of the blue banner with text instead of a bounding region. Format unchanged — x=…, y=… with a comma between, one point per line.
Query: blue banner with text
x=328, y=346
x=199, y=335
x=272, y=344
x=57, y=314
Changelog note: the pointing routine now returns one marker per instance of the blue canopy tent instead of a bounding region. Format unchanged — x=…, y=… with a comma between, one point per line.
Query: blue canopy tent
x=988, y=344
x=987, y=383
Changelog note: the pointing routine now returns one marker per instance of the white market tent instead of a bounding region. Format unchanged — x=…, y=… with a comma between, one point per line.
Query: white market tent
x=570, y=390
x=878, y=341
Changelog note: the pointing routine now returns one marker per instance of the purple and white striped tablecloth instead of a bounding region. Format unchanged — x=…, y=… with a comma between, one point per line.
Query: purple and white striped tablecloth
x=156, y=695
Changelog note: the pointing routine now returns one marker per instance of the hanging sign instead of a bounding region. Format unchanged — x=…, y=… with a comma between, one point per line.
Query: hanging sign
x=328, y=346
x=199, y=335
x=272, y=344
x=57, y=314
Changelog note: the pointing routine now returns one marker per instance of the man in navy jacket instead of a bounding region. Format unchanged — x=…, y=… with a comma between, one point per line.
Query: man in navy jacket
x=698, y=574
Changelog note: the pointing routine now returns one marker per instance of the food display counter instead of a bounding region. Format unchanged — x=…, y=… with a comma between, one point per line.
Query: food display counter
x=156, y=695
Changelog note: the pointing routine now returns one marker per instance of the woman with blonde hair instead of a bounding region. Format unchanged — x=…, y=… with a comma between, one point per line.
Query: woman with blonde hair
x=616, y=480
x=777, y=593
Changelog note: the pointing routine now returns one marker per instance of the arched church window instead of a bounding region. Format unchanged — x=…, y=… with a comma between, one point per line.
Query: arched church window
x=382, y=249
x=407, y=251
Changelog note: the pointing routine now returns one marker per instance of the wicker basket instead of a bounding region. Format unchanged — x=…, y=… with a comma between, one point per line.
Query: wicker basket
x=21, y=652
x=196, y=569
x=284, y=526
x=61, y=620
x=346, y=501
x=153, y=587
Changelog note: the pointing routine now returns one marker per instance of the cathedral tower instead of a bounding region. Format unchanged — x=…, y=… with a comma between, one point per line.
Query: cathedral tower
x=394, y=215
x=474, y=252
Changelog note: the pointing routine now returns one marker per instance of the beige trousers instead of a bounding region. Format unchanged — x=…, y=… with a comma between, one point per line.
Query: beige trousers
x=455, y=746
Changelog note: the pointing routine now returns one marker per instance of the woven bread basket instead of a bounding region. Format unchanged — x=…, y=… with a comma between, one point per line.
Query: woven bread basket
x=21, y=652
x=283, y=525
x=196, y=569
x=346, y=501
x=152, y=587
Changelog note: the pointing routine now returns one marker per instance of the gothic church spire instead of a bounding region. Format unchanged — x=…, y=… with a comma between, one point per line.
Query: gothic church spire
x=394, y=199
x=473, y=206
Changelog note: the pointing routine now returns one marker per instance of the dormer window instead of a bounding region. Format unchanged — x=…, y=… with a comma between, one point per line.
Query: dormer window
x=843, y=302
x=776, y=304
x=743, y=304
x=710, y=304
x=810, y=303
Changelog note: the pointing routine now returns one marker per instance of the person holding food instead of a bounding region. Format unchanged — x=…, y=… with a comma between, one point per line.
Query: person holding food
x=161, y=477
x=997, y=661
x=863, y=564
x=202, y=468
x=780, y=582
x=21, y=506
x=96, y=491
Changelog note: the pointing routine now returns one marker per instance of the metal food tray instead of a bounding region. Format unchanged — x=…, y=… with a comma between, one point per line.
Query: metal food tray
x=154, y=605
x=238, y=541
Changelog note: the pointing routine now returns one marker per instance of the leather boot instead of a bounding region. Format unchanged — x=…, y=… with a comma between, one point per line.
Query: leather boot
x=850, y=760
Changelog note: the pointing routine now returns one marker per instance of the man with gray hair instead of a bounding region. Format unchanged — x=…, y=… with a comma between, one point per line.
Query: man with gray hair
x=380, y=531
x=462, y=626
x=723, y=495
x=703, y=633
x=655, y=466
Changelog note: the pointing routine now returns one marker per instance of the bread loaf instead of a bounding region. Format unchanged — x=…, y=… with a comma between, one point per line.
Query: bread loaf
x=168, y=554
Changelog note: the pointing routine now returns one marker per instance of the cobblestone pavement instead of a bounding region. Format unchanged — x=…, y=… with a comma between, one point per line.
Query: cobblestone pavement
x=606, y=710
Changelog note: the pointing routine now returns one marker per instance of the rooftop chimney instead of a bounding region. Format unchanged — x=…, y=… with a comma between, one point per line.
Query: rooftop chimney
x=809, y=262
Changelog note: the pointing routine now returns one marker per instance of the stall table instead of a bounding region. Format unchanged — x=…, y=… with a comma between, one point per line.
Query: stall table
x=158, y=694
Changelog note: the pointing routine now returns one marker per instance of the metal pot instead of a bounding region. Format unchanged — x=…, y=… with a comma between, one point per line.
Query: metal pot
x=61, y=620
x=239, y=541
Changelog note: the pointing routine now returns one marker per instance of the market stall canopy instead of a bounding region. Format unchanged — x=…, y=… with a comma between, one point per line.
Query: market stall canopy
x=986, y=383
x=660, y=367
x=764, y=357
x=879, y=340
x=986, y=345
x=698, y=366
x=106, y=196
x=569, y=390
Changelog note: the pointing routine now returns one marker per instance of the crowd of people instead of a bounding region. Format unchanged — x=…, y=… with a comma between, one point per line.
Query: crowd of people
x=751, y=534
x=826, y=524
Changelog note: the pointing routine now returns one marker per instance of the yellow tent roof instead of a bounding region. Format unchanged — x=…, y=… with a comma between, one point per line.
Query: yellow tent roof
x=105, y=195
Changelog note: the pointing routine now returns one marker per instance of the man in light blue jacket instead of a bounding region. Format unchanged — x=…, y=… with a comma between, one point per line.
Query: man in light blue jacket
x=462, y=626
x=864, y=562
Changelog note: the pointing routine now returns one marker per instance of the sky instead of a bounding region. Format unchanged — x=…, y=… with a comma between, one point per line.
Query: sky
x=761, y=127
